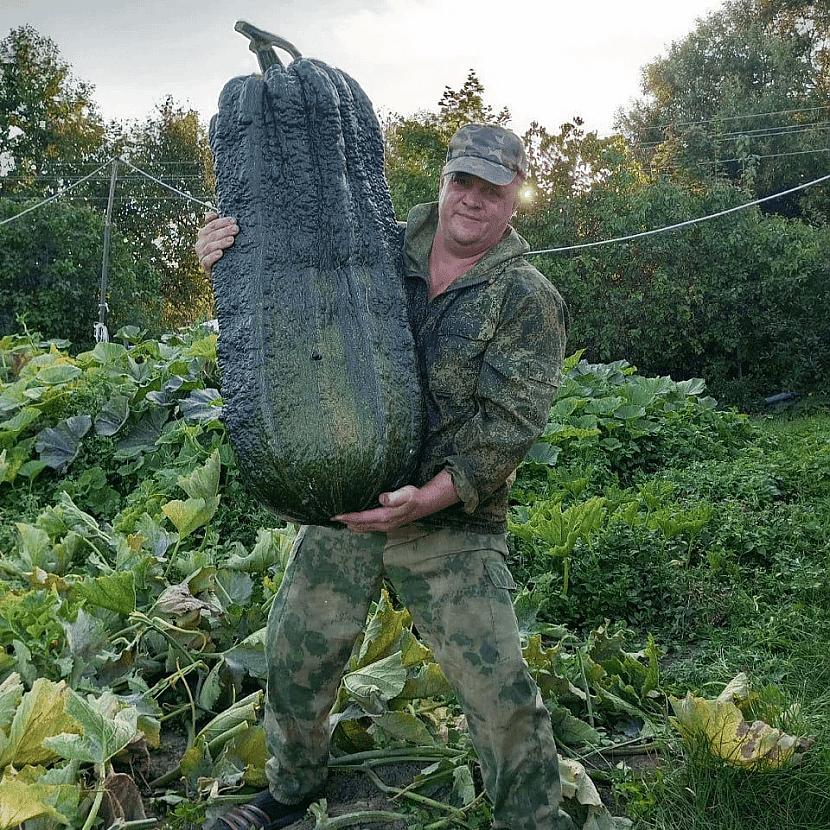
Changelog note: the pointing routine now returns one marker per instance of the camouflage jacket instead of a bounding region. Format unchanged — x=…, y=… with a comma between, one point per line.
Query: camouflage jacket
x=491, y=349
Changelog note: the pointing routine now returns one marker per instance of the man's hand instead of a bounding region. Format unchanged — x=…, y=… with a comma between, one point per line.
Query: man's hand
x=400, y=507
x=403, y=506
x=216, y=235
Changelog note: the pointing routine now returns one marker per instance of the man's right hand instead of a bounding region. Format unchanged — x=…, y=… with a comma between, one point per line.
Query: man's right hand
x=217, y=234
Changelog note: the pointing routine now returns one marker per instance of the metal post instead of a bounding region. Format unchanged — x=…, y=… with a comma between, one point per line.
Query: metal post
x=101, y=333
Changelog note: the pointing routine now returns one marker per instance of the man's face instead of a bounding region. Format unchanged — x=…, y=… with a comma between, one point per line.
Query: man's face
x=473, y=213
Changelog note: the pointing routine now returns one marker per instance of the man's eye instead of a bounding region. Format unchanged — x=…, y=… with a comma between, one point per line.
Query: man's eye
x=461, y=178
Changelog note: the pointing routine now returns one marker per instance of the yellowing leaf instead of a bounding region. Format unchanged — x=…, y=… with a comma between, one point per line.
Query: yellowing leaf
x=721, y=724
x=40, y=715
x=20, y=802
x=190, y=515
x=382, y=632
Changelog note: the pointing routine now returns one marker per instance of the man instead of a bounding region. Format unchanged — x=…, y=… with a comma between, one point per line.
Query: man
x=490, y=334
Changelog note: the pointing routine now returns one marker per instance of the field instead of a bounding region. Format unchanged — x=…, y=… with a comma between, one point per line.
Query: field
x=674, y=606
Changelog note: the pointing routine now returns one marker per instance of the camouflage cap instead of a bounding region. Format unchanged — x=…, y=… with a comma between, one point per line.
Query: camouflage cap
x=487, y=151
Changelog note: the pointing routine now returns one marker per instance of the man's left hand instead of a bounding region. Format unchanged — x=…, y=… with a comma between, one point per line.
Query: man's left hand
x=400, y=507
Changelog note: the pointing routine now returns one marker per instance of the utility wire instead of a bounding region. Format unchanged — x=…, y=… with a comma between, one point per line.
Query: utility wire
x=678, y=224
x=208, y=205
x=737, y=117
x=55, y=195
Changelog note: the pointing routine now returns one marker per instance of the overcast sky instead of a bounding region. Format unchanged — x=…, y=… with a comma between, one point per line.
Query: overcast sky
x=545, y=60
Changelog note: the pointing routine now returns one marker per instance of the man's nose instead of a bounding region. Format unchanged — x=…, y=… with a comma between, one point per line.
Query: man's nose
x=472, y=197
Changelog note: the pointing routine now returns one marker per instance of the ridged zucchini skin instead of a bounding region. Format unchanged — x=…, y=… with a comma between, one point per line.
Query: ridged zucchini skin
x=320, y=381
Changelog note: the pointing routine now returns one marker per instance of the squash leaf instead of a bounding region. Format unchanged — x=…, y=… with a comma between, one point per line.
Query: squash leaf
x=113, y=416
x=114, y=591
x=20, y=801
x=203, y=482
x=721, y=725
x=373, y=685
x=188, y=516
x=108, y=726
x=41, y=713
x=58, y=446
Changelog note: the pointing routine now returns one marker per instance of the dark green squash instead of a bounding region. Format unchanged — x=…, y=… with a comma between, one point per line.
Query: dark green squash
x=319, y=374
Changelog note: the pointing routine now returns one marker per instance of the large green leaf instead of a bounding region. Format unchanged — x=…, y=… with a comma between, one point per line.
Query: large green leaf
x=143, y=435
x=59, y=445
x=113, y=416
x=202, y=405
x=113, y=591
x=373, y=685
x=203, y=482
x=12, y=427
x=56, y=375
x=108, y=726
x=249, y=655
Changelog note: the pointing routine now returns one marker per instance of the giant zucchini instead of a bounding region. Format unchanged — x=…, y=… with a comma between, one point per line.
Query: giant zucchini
x=319, y=375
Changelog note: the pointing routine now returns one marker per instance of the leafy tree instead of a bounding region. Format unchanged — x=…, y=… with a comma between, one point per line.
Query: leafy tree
x=159, y=225
x=416, y=146
x=745, y=96
x=49, y=274
x=47, y=117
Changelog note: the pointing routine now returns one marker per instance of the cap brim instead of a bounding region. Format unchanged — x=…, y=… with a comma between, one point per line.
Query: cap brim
x=487, y=170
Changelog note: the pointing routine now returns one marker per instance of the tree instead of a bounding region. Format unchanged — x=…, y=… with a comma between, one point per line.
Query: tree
x=159, y=225
x=416, y=146
x=743, y=96
x=49, y=274
x=47, y=118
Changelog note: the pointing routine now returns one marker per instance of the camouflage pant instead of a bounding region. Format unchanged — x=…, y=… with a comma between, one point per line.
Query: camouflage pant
x=457, y=588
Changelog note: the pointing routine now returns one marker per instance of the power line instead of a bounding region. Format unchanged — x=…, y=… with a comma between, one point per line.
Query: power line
x=752, y=156
x=738, y=117
x=186, y=195
x=678, y=225
x=55, y=195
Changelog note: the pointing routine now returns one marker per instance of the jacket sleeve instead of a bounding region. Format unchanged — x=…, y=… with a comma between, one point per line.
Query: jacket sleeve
x=519, y=377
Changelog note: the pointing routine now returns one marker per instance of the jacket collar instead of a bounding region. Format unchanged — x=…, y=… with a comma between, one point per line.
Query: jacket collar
x=421, y=225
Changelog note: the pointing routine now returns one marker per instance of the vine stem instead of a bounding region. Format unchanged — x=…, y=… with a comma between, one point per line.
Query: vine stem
x=99, y=797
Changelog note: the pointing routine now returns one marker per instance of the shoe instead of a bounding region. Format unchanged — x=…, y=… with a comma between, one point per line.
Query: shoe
x=262, y=812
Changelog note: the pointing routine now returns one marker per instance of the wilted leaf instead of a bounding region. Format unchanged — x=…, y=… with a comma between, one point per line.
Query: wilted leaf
x=12, y=427
x=729, y=736
x=21, y=802
x=403, y=726
x=377, y=683
x=122, y=800
x=41, y=713
x=59, y=445
x=113, y=416
x=382, y=632
x=428, y=681
x=463, y=788
x=272, y=548
x=178, y=601
x=576, y=783
x=108, y=726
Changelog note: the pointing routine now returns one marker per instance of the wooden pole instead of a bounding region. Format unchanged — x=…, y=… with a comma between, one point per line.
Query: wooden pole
x=101, y=332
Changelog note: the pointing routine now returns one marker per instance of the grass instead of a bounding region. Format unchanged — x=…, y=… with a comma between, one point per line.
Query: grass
x=781, y=642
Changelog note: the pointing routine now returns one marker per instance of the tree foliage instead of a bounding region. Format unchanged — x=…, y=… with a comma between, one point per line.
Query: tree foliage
x=743, y=96
x=47, y=117
x=49, y=274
